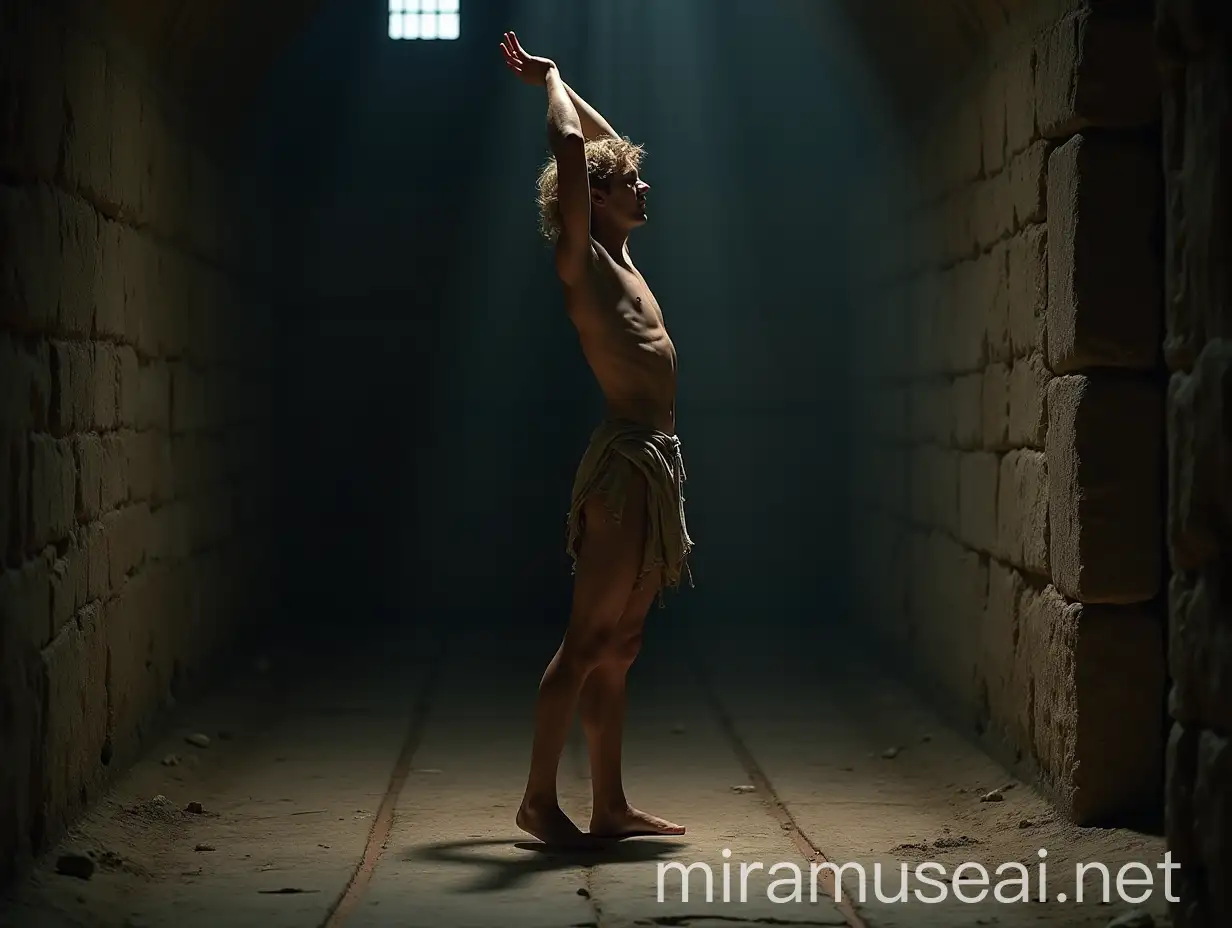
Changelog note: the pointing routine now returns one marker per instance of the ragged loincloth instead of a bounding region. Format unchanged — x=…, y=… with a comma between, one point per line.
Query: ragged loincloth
x=616, y=448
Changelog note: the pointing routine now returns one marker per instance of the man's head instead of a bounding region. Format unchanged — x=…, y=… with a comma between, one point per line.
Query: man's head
x=617, y=192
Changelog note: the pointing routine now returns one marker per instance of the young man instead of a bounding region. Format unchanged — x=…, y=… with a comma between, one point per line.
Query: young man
x=626, y=529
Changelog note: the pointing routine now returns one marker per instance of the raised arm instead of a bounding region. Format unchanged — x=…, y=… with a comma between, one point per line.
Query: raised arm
x=594, y=126
x=571, y=121
x=568, y=143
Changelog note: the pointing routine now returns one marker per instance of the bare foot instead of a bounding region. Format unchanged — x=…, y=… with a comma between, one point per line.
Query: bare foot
x=551, y=826
x=629, y=822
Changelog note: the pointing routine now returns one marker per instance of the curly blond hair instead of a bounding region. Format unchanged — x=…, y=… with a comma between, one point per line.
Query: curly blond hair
x=605, y=158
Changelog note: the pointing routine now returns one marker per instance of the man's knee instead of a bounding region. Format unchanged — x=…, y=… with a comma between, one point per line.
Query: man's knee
x=626, y=649
x=585, y=650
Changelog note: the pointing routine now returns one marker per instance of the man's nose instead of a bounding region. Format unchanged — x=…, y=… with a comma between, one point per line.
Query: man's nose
x=642, y=186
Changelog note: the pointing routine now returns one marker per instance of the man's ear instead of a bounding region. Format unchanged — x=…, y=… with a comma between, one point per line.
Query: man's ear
x=597, y=197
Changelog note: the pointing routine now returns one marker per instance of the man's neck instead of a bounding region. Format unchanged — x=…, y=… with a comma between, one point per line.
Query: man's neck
x=613, y=241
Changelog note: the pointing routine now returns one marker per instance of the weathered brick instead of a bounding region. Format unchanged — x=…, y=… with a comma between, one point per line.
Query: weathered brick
x=114, y=488
x=1028, y=395
x=90, y=467
x=1200, y=648
x=996, y=403
x=139, y=457
x=977, y=500
x=141, y=662
x=1020, y=101
x=1028, y=290
x=1096, y=70
x=970, y=304
x=126, y=537
x=98, y=566
x=128, y=387
x=69, y=583
x=53, y=487
x=25, y=602
x=1099, y=687
x=72, y=369
x=106, y=375
x=1022, y=511
x=967, y=404
x=1105, y=437
x=1003, y=669
x=986, y=222
x=77, y=266
x=1212, y=804
x=1028, y=184
x=1104, y=279
x=74, y=710
x=993, y=122
x=1200, y=458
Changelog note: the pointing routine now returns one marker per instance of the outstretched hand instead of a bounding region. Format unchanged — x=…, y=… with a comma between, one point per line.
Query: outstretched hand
x=530, y=69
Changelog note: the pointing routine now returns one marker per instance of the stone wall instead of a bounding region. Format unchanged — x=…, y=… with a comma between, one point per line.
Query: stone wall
x=133, y=467
x=1008, y=540
x=1196, y=50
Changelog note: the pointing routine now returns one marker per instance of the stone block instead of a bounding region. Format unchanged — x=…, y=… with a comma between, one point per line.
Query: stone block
x=164, y=475
x=105, y=386
x=1005, y=674
x=91, y=464
x=72, y=369
x=98, y=561
x=139, y=456
x=991, y=309
x=1200, y=648
x=113, y=489
x=977, y=500
x=141, y=665
x=130, y=148
x=53, y=489
x=1104, y=449
x=1212, y=805
x=1027, y=276
x=996, y=401
x=967, y=407
x=1022, y=511
x=128, y=387
x=1020, y=129
x=1104, y=275
x=69, y=583
x=1098, y=712
x=74, y=688
x=1096, y=69
x=1029, y=184
x=1028, y=395
x=1200, y=458
x=78, y=265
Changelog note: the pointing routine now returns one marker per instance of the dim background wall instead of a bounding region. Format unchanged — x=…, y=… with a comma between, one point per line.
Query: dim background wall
x=134, y=342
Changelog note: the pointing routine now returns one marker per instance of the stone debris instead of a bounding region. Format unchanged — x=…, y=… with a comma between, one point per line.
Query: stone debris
x=194, y=808
x=744, y=788
x=171, y=760
x=205, y=847
x=994, y=796
x=77, y=865
x=198, y=740
x=890, y=753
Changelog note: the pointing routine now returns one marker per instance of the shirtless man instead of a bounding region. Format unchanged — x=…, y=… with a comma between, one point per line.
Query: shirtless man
x=626, y=529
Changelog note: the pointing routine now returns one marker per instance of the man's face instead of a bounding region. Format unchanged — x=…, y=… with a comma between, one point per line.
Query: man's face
x=624, y=200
